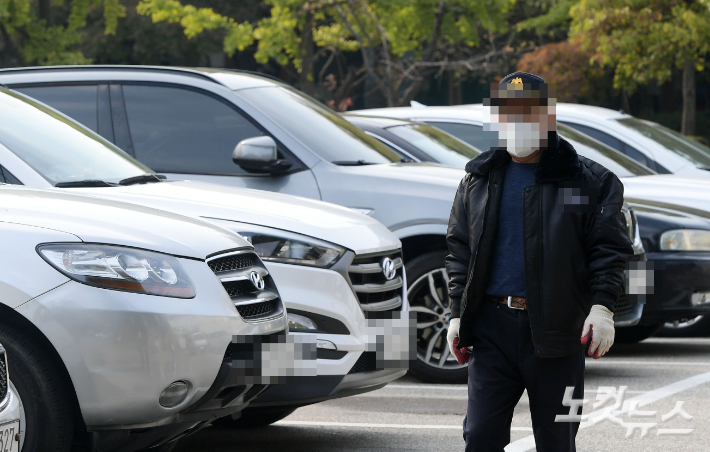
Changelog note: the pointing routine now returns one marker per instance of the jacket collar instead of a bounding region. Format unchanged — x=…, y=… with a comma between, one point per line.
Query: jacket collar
x=559, y=161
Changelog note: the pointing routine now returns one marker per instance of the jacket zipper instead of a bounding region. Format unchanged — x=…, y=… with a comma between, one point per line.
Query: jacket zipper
x=478, y=246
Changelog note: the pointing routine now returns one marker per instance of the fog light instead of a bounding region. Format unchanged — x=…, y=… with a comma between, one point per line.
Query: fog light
x=299, y=322
x=699, y=298
x=322, y=343
x=173, y=394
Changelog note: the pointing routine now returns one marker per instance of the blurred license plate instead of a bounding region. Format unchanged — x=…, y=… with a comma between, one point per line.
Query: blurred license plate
x=8, y=432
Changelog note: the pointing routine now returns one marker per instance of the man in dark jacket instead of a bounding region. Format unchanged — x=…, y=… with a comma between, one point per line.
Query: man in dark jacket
x=538, y=248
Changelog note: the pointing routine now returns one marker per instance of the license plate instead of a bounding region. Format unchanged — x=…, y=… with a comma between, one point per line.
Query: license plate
x=9, y=437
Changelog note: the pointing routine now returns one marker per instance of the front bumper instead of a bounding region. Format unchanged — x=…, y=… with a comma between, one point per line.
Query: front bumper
x=122, y=349
x=675, y=278
x=329, y=300
x=307, y=390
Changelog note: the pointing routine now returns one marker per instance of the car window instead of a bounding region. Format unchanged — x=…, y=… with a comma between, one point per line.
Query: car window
x=614, y=143
x=59, y=149
x=440, y=146
x=469, y=133
x=596, y=134
x=318, y=127
x=77, y=102
x=184, y=131
x=615, y=161
x=7, y=177
x=692, y=151
x=612, y=159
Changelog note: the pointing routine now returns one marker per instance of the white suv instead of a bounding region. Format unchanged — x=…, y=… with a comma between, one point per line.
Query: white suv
x=118, y=322
x=314, y=250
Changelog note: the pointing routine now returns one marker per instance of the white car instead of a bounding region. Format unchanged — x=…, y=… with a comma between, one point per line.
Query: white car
x=653, y=145
x=10, y=411
x=328, y=260
x=118, y=322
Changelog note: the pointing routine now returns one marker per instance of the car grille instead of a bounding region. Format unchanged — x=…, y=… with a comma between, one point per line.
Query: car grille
x=254, y=310
x=374, y=291
x=234, y=270
x=366, y=362
x=623, y=306
x=234, y=262
x=3, y=376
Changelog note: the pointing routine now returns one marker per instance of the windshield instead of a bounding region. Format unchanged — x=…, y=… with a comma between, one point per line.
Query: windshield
x=687, y=148
x=617, y=162
x=613, y=160
x=56, y=147
x=318, y=127
x=437, y=144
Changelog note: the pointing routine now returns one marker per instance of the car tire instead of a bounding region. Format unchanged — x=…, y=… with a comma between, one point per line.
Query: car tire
x=696, y=327
x=428, y=295
x=43, y=392
x=636, y=333
x=255, y=417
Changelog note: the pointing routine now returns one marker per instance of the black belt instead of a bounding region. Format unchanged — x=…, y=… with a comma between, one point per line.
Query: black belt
x=511, y=302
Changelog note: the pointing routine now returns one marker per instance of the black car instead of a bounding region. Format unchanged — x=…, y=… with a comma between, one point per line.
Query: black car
x=678, y=282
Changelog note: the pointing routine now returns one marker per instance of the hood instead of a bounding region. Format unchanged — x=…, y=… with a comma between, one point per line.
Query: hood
x=321, y=220
x=427, y=173
x=99, y=220
x=401, y=195
x=687, y=194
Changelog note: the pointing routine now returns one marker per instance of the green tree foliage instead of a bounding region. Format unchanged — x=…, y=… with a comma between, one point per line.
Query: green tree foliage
x=644, y=40
x=49, y=31
x=402, y=42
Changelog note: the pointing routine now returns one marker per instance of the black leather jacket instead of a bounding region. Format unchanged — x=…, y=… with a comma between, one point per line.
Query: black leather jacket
x=576, y=245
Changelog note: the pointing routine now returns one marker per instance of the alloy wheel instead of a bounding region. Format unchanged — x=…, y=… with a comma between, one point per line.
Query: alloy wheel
x=429, y=298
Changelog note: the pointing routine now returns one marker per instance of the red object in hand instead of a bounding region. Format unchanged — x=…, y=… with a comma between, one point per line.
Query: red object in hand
x=462, y=354
x=588, y=338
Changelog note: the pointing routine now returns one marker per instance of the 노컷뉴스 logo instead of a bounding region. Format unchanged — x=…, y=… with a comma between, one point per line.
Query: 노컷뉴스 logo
x=389, y=269
x=257, y=280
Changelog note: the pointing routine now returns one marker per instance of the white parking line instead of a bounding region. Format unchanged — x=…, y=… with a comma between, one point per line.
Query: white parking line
x=528, y=443
x=395, y=426
x=631, y=362
x=458, y=388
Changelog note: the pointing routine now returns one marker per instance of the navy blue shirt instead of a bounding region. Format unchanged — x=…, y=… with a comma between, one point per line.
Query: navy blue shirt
x=508, y=270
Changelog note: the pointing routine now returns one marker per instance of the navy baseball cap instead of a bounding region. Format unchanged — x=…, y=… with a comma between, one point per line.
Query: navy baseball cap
x=529, y=81
x=519, y=85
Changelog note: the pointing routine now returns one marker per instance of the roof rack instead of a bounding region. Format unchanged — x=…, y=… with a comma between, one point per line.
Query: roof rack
x=99, y=67
x=244, y=71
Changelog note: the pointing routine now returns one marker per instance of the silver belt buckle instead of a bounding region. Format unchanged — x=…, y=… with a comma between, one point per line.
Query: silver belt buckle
x=510, y=299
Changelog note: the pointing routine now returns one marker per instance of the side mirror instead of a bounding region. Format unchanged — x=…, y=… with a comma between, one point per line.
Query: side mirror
x=259, y=155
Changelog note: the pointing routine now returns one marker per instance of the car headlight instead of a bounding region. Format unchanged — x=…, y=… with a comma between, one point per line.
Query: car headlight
x=632, y=229
x=120, y=268
x=685, y=240
x=275, y=245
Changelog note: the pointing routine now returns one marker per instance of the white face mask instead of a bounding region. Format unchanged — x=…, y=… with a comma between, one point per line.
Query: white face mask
x=520, y=138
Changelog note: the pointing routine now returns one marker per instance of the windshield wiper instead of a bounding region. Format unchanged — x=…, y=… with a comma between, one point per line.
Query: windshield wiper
x=352, y=162
x=84, y=183
x=142, y=179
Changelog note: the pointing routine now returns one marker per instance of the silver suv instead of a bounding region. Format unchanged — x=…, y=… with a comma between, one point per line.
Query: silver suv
x=119, y=324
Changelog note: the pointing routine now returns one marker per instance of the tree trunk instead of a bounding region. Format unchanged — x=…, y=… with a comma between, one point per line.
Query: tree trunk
x=688, y=122
x=305, y=78
x=45, y=12
x=625, y=102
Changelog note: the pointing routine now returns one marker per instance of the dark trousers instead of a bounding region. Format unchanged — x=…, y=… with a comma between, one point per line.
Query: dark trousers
x=502, y=365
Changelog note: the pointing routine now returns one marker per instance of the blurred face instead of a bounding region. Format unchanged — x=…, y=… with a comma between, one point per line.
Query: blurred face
x=522, y=117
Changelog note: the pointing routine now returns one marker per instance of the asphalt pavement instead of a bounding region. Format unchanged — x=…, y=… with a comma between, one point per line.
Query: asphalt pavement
x=410, y=415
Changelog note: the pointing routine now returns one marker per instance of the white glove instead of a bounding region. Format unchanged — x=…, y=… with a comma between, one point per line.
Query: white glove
x=600, y=326
x=454, y=325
